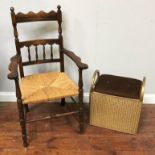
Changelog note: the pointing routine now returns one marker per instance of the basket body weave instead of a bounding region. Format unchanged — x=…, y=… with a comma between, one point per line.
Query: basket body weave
x=116, y=102
x=114, y=112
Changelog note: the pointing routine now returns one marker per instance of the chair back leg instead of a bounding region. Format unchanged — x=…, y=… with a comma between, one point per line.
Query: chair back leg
x=63, y=102
x=26, y=107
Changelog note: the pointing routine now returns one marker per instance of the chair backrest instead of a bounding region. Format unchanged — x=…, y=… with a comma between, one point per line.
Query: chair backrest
x=34, y=17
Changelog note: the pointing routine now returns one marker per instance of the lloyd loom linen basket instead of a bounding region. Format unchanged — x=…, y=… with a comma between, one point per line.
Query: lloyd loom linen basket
x=115, y=102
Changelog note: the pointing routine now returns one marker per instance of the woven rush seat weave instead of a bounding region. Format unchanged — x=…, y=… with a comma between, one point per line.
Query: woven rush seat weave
x=115, y=102
x=37, y=88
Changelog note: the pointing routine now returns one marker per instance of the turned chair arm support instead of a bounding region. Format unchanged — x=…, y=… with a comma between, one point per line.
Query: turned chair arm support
x=76, y=59
x=13, y=67
x=81, y=66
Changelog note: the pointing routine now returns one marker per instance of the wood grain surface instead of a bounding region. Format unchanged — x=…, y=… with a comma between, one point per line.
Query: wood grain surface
x=59, y=136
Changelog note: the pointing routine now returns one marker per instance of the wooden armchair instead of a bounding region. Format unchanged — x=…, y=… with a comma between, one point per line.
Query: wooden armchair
x=42, y=87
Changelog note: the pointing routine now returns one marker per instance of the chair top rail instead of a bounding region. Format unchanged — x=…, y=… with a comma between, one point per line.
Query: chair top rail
x=40, y=16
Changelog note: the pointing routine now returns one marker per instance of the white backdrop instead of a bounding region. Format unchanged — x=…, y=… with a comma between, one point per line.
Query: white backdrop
x=114, y=36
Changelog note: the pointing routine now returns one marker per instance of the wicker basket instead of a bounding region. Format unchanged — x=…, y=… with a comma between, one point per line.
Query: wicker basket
x=115, y=112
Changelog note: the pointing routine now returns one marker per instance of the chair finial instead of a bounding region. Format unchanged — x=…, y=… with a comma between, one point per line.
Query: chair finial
x=59, y=7
x=12, y=9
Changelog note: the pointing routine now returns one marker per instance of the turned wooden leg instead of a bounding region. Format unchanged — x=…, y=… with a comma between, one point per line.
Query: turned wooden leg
x=26, y=107
x=22, y=122
x=63, y=102
x=81, y=120
x=21, y=113
x=81, y=114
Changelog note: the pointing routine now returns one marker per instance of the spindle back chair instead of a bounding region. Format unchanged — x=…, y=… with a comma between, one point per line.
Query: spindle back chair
x=27, y=89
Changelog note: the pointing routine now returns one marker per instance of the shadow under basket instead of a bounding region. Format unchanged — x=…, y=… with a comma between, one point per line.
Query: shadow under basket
x=116, y=102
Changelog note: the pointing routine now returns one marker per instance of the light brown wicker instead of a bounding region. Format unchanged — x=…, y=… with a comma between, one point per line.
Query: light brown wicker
x=114, y=112
x=47, y=86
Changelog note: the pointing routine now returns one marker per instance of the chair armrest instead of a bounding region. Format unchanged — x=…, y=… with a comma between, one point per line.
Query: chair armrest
x=76, y=59
x=13, y=67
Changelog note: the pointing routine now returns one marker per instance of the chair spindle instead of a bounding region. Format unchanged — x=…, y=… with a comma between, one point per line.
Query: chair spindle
x=44, y=54
x=51, y=52
x=29, y=55
x=36, y=49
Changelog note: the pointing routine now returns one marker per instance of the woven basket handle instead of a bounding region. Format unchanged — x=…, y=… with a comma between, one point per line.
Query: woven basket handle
x=142, y=90
x=94, y=79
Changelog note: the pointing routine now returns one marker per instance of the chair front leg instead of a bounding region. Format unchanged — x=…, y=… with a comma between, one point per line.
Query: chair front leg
x=81, y=113
x=22, y=121
x=21, y=114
